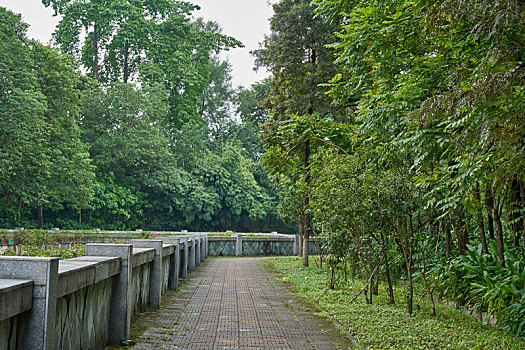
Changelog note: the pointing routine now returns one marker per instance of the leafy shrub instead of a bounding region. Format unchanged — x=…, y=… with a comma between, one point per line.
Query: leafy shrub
x=74, y=251
x=477, y=280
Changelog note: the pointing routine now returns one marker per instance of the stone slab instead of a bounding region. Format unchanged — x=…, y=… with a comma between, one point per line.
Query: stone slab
x=142, y=256
x=15, y=297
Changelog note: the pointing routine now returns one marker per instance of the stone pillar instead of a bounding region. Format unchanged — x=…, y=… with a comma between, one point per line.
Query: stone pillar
x=121, y=308
x=295, y=245
x=206, y=245
x=191, y=255
x=203, y=247
x=238, y=245
x=39, y=331
x=173, y=279
x=197, y=240
x=155, y=282
x=184, y=257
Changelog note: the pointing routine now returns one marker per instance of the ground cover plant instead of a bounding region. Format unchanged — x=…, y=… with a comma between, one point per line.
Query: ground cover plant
x=385, y=326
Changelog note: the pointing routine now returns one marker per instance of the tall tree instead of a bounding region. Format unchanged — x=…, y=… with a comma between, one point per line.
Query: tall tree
x=295, y=52
x=179, y=57
x=123, y=127
x=71, y=173
x=22, y=119
x=45, y=161
x=95, y=20
x=216, y=102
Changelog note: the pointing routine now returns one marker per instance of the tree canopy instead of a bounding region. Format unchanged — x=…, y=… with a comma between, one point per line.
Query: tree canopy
x=146, y=139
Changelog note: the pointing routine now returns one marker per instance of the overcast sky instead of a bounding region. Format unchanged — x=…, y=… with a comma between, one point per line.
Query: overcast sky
x=246, y=20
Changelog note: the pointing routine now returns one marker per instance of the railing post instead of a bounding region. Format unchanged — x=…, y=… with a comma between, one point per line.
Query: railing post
x=39, y=332
x=238, y=245
x=191, y=255
x=197, y=242
x=184, y=258
x=120, y=313
x=206, y=247
x=155, y=283
x=173, y=279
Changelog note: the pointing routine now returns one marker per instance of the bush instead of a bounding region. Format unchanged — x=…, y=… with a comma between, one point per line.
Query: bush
x=74, y=251
x=477, y=280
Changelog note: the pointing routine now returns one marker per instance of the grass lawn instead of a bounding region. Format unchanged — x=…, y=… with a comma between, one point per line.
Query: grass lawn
x=382, y=326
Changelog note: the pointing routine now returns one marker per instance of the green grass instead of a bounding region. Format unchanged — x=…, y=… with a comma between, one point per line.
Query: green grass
x=382, y=326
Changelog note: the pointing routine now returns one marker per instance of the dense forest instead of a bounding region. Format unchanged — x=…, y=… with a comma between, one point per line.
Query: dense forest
x=397, y=131
x=393, y=129
x=130, y=121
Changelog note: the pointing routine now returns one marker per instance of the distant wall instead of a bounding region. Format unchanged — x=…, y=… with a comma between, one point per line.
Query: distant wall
x=221, y=246
x=259, y=245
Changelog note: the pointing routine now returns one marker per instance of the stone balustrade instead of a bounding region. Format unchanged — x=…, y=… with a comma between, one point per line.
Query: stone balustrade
x=258, y=245
x=90, y=301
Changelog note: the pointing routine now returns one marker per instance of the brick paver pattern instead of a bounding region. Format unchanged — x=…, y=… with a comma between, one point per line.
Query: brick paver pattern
x=236, y=303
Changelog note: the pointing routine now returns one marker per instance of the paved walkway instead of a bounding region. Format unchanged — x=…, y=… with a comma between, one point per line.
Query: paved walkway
x=236, y=303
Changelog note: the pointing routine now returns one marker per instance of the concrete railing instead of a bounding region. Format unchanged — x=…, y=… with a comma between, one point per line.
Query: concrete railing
x=261, y=245
x=89, y=301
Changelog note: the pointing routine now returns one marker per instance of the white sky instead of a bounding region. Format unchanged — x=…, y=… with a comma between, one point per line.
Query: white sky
x=245, y=20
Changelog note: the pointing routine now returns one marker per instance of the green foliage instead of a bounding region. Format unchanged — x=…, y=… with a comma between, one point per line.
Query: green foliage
x=153, y=41
x=44, y=161
x=151, y=142
x=477, y=280
x=69, y=253
x=431, y=150
x=383, y=326
x=250, y=102
x=295, y=53
x=179, y=58
x=38, y=243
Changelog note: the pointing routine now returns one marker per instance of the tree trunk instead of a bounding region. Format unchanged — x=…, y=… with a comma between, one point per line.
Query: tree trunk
x=126, y=58
x=375, y=290
x=371, y=279
x=301, y=236
x=489, y=203
x=446, y=230
x=305, y=249
x=461, y=232
x=19, y=213
x=410, y=286
x=522, y=192
x=495, y=212
x=307, y=229
x=95, y=51
x=40, y=216
x=407, y=254
x=514, y=215
x=481, y=225
x=391, y=300
x=406, y=249
x=499, y=238
x=433, y=303
x=80, y=215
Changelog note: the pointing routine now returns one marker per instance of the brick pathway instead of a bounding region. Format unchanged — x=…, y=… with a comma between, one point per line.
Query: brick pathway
x=236, y=303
